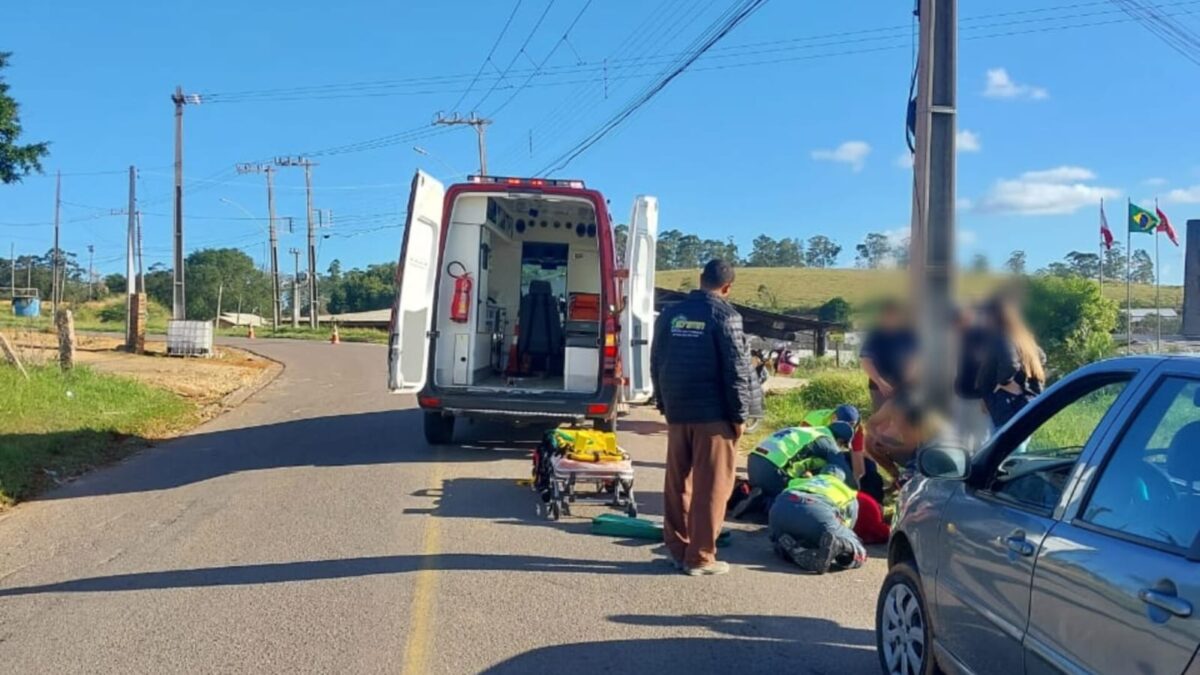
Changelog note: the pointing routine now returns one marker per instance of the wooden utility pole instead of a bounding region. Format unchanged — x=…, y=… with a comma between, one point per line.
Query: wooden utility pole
x=932, y=240
x=273, y=236
x=179, y=295
x=312, y=235
x=295, y=286
x=55, y=289
x=480, y=126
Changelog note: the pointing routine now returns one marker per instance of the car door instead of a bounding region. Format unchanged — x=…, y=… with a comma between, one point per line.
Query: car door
x=416, y=279
x=995, y=524
x=1117, y=585
x=637, y=317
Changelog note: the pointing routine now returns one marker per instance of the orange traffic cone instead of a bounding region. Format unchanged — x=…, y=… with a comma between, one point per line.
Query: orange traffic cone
x=334, y=338
x=250, y=334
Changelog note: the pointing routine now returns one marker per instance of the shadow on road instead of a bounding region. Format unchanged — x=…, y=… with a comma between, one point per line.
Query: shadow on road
x=753, y=644
x=343, y=568
x=341, y=440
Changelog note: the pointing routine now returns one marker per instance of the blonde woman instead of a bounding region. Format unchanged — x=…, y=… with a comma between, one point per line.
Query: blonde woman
x=1014, y=371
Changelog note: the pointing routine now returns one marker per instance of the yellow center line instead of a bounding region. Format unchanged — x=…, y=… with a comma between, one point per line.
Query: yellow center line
x=424, y=602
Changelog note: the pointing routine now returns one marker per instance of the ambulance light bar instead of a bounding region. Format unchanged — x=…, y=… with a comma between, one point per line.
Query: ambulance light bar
x=527, y=182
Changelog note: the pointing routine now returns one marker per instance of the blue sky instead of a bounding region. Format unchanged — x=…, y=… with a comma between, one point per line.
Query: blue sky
x=804, y=141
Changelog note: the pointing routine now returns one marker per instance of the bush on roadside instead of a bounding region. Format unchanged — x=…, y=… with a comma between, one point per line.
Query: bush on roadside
x=835, y=310
x=831, y=389
x=1072, y=322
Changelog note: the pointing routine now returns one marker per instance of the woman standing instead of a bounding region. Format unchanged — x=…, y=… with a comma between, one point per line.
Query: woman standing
x=1014, y=371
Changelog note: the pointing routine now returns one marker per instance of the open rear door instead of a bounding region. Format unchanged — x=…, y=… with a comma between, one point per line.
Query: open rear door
x=637, y=317
x=416, y=279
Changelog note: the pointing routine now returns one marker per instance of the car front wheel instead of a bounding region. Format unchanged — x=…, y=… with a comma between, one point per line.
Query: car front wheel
x=903, y=634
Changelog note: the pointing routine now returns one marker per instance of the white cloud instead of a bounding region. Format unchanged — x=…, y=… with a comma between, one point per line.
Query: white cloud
x=852, y=153
x=1155, y=182
x=967, y=141
x=904, y=160
x=1189, y=195
x=1057, y=191
x=1001, y=85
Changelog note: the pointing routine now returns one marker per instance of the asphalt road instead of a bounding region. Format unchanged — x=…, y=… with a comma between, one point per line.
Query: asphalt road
x=313, y=530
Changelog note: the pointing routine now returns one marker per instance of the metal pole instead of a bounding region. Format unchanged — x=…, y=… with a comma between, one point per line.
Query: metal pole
x=1128, y=288
x=312, y=248
x=295, y=286
x=932, y=240
x=481, y=131
x=179, y=297
x=55, y=289
x=91, y=272
x=1157, y=304
x=274, y=247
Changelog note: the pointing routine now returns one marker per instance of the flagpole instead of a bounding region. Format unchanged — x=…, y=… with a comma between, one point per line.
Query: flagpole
x=1157, y=284
x=1102, y=219
x=1128, y=288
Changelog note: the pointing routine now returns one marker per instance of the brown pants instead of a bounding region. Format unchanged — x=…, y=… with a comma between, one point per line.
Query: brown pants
x=701, y=462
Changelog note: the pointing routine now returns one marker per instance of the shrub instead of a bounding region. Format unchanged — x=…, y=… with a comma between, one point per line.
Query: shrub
x=1072, y=322
x=835, y=310
x=831, y=389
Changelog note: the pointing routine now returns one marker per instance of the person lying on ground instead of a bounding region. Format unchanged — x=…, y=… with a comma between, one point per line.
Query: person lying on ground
x=811, y=521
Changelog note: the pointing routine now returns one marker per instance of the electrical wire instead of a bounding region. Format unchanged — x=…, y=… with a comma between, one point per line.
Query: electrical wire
x=513, y=61
x=542, y=63
x=488, y=59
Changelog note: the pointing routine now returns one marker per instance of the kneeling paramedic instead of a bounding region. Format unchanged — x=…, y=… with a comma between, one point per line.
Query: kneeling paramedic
x=792, y=452
x=811, y=523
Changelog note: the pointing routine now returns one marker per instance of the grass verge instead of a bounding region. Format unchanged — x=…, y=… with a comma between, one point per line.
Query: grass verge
x=58, y=425
x=371, y=335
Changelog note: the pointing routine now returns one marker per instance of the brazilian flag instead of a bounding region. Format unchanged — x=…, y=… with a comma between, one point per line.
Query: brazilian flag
x=1141, y=220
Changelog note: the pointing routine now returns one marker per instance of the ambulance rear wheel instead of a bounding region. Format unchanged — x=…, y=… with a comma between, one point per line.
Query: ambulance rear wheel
x=439, y=428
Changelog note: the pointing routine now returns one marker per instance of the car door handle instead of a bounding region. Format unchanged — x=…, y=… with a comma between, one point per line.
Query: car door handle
x=1168, y=603
x=1018, y=544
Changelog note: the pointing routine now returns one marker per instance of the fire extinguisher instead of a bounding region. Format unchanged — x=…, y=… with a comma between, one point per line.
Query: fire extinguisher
x=460, y=303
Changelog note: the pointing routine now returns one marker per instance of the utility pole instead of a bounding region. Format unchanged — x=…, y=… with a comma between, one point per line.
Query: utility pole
x=55, y=290
x=141, y=272
x=932, y=240
x=312, y=236
x=295, y=286
x=179, y=297
x=12, y=271
x=480, y=126
x=133, y=307
x=274, y=241
x=91, y=272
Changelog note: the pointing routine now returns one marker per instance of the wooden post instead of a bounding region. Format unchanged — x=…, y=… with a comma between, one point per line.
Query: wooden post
x=65, y=322
x=11, y=356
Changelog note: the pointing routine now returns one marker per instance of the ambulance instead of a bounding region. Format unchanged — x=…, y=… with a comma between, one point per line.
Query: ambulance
x=511, y=304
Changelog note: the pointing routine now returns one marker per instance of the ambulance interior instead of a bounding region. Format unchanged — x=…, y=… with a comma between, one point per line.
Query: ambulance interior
x=533, y=322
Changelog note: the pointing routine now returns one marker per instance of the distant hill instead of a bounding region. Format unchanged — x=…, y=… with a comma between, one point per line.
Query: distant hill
x=808, y=288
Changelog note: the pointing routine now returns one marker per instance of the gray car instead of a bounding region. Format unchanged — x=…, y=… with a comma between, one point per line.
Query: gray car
x=1068, y=544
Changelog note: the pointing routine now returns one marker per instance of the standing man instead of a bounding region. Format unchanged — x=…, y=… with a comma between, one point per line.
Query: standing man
x=887, y=354
x=700, y=366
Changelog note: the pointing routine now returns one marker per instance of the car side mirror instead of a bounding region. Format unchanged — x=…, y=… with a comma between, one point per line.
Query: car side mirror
x=944, y=460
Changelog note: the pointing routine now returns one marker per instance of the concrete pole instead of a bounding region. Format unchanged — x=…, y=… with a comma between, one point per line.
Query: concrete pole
x=274, y=247
x=932, y=242
x=179, y=297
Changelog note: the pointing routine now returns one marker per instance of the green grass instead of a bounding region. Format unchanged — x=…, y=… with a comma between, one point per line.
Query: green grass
x=787, y=408
x=809, y=288
x=58, y=425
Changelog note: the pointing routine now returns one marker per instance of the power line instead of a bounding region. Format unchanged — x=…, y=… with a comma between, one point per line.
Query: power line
x=488, y=59
x=716, y=32
x=545, y=58
x=513, y=61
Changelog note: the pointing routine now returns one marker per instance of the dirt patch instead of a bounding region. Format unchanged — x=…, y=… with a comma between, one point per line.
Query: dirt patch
x=209, y=383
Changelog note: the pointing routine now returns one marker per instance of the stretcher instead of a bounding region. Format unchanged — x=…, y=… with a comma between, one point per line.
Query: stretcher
x=564, y=475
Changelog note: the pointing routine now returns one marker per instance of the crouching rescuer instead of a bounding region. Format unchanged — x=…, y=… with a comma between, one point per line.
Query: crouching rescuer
x=812, y=522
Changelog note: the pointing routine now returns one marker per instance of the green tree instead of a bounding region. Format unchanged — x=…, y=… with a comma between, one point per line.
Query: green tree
x=1072, y=322
x=1114, y=262
x=16, y=160
x=791, y=253
x=725, y=250
x=666, y=254
x=362, y=290
x=115, y=283
x=1016, y=262
x=1086, y=265
x=980, y=264
x=1058, y=269
x=874, y=251
x=764, y=252
x=1141, y=267
x=689, y=252
x=822, y=252
x=621, y=240
x=230, y=274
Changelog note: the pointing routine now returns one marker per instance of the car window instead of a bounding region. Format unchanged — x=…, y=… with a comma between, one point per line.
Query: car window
x=1035, y=472
x=1150, y=486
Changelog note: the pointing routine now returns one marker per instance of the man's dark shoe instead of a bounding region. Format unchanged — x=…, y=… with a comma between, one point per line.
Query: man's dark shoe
x=816, y=560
